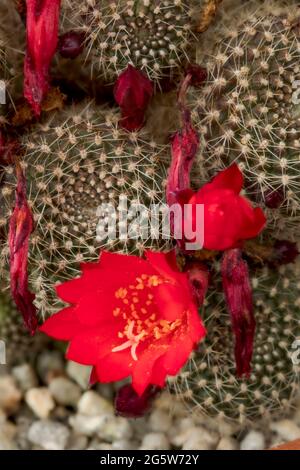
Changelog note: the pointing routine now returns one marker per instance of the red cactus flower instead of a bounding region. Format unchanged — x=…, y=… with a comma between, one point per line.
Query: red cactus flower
x=42, y=38
x=229, y=218
x=129, y=317
x=133, y=91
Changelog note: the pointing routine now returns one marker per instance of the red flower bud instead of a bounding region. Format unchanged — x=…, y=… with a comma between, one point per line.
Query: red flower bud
x=42, y=36
x=20, y=229
x=198, y=276
x=130, y=405
x=71, y=44
x=238, y=294
x=133, y=91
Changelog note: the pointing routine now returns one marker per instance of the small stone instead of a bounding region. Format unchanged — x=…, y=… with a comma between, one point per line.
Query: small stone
x=116, y=428
x=77, y=442
x=88, y=425
x=40, y=401
x=287, y=429
x=228, y=443
x=50, y=435
x=64, y=391
x=79, y=374
x=92, y=404
x=124, y=444
x=50, y=364
x=160, y=421
x=6, y=443
x=10, y=395
x=155, y=441
x=25, y=377
x=254, y=440
x=197, y=436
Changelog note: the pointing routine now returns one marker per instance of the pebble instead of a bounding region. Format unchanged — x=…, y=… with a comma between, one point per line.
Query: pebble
x=254, y=440
x=40, y=401
x=92, y=404
x=25, y=377
x=88, y=425
x=10, y=395
x=79, y=374
x=197, y=437
x=287, y=429
x=6, y=443
x=227, y=443
x=155, y=441
x=50, y=364
x=116, y=428
x=49, y=435
x=160, y=421
x=77, y=442
x=64, y=391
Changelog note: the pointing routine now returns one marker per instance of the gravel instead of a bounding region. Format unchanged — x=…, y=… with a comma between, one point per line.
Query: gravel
x=53, y=409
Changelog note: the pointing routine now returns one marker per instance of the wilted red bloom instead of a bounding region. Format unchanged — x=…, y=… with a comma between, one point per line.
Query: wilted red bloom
x=238, y=293
x=130, y=405
x=133, y=91
x=129, y=317
x=42, y=19
x=184, y=147
x=20, y=228
x=228, y=217
x=198, y=73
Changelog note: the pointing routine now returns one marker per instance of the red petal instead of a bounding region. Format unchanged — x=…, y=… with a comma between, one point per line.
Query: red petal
x=90, y=345
x=171, y=301
x=42, y=38
x=230, y=178
x=133, y=91
x=164, y=263
x=142, y=372
x=62, y=326
x=20, y=228
x=114, y=366
x=238, y=293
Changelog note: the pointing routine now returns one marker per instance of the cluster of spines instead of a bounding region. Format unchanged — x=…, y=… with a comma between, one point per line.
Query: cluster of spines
x=75, y=161
x=209, y=385
x=151, y=35
x=247, y=111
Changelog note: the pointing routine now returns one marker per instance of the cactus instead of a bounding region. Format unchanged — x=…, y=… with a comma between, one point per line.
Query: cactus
x=74, y=161
x=154, y=36
x=208, y=382
x=248, y=113
x=19, y=346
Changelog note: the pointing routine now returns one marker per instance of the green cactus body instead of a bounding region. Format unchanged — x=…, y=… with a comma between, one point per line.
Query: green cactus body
x=153, y=35
x=249, y=113
x=209, y=384
x=19, y=345
x=75, y=161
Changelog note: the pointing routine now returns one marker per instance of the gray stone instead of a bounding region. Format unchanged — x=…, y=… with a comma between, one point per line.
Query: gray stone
x=64, y=391
x=155, y=441
x=80, y=374
x=88, y=425
x=50, y=364
x=115, y=428
x=25, y=377
x=92, y=404
x=49, y=435
x=254, y=440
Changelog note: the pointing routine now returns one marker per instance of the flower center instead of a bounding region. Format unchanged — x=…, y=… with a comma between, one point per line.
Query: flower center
x=137, y=307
